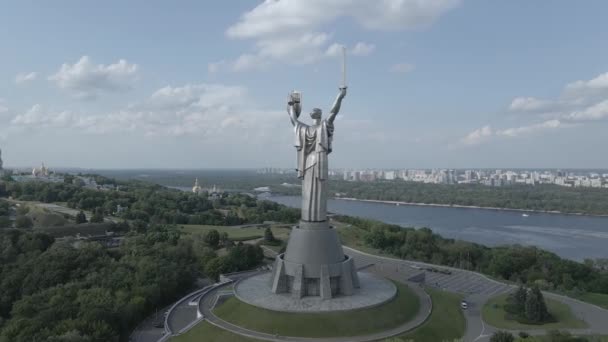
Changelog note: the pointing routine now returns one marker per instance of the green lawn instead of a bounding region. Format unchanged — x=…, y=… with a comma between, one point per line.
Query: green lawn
x=236, y=233
x=347, y=323
x=208, y=332
x=598, y=299
x=446, y=322
x=494, y=314
x=352, y=236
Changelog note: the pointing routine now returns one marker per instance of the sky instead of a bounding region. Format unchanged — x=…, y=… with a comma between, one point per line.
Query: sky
x=203, y=84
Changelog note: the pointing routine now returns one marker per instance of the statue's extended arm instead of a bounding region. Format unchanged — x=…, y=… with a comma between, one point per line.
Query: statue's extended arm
x=293, y=109
x=336, y=107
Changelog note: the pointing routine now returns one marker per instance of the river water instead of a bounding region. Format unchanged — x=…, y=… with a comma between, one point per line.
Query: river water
x=570, y=236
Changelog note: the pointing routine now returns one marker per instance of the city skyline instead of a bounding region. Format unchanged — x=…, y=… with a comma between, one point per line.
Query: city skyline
x=449, y=83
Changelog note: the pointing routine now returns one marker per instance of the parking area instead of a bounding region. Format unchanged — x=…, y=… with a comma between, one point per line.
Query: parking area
x=449, y=279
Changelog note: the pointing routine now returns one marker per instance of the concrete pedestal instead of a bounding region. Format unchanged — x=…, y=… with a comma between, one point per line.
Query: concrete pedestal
x=314, y=264
x=374, y=291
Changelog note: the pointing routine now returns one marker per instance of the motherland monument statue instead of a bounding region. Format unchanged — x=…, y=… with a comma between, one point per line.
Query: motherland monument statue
x=314, y=263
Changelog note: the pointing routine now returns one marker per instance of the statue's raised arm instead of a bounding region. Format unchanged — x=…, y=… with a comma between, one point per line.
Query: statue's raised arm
x=336, y=107
x=294, y=108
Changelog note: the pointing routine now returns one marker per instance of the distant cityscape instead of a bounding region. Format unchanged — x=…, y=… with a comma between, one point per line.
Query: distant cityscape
x=489, y=177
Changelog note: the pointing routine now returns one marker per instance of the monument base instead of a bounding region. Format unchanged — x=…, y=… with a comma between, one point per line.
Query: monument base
x=314, y=264
x=374, y=291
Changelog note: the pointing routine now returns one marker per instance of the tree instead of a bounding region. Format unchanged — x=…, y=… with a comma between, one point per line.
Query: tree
x=5, y=222
x=225, y=240
x=502, y=336
x=212, y=238
x=81, y=217
x=97, y=216
x=535, y=307
x=268, y=235
x=519, y=299
x=68, y=179
x=215, y=267
x=23, y=221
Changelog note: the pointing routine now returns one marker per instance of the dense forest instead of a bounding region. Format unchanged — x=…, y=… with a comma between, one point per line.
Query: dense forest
x=73, y=290
x=540, y=197
x=527, y=265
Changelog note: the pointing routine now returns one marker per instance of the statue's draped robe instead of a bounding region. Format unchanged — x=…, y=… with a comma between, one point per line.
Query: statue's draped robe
x=313, y=144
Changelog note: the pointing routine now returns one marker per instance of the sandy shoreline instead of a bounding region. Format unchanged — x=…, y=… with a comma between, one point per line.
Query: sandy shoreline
x=465, y=207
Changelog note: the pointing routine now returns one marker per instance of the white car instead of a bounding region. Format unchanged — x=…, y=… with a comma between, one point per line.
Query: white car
x=464, y=305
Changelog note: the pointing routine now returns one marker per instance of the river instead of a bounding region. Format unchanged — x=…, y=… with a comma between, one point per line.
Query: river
x=570, y=236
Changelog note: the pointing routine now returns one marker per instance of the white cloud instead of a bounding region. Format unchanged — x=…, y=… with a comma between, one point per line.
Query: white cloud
x=291, y=31
x=599, y=82
x=334, y=50
x=529, y=104
x=363, y=49
x=486, y=133
x=86, y=79
x=39, y=116
x=477, y=136
x=207, y=111
x=517, y=131
x=597, y=111
x=581, y=101
x=278, y=17
x=26, y=77
x=195, y=95
x=402, y=68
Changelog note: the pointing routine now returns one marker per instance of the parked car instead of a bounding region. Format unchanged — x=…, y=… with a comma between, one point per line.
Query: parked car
x=464, y=305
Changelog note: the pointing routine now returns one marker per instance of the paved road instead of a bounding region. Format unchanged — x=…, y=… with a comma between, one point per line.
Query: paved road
x=183, y=314
x=146, y=331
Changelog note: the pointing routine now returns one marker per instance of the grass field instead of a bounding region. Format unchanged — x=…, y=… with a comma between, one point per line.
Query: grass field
x=208, y=332
x=237, y=233
x=349, y=323
x=446, y=322
x=494, y=314
x=598, y=299
x=352, y=236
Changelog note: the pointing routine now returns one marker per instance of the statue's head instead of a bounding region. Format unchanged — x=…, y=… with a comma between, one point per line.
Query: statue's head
x=316, y=113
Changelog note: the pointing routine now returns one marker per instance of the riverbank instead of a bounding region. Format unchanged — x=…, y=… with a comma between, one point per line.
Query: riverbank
x=397, y=203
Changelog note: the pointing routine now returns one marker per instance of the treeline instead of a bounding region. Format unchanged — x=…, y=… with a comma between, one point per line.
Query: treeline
x=527, y=265
x=544, y=197
x=59, y=291
x=151, y=203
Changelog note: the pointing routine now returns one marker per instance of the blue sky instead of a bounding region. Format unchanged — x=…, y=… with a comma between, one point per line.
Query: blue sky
x=202, y=84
